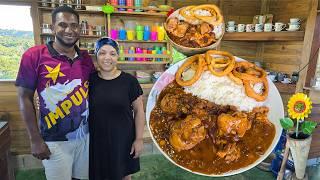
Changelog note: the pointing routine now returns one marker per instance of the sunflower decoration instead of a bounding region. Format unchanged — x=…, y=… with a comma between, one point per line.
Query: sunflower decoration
x=299, y=108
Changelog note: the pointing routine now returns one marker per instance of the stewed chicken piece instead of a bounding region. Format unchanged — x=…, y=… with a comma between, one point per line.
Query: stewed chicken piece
x=187, y=133
x=235, y=125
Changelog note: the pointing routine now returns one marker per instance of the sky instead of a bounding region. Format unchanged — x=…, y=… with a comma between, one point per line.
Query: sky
x=15, y=17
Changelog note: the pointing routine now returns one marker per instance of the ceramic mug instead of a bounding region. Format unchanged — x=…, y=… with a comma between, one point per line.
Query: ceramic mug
x=268, y=27
x=279, y=26
x=258, y=27
x=231, y=29
x=286, y=80
x=272, y=77
x=241, y=27
x=249, y=27
x=231, y=23
x=294, y=27
x=295, y=21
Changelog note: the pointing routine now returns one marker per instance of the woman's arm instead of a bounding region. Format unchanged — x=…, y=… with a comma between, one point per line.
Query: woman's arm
x=139, y=118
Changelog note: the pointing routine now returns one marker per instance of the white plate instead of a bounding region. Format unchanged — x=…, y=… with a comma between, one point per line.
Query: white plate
x=273, y=101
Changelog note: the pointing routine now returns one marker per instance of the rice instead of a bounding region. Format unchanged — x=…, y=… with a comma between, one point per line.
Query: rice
x=201, y=12
x=223, y=91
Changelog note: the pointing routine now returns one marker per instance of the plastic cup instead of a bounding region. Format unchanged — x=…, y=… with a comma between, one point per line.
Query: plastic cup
x=154, y=36
x=130, y=35
x=122, y=34
x=139, y=28
x=114, y=34
x=139, y=35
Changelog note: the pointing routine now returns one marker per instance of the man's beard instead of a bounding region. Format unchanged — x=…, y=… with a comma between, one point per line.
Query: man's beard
x=61, y=41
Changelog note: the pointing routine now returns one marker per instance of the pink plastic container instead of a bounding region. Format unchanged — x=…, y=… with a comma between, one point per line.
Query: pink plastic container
x=154, y=36
x=139, y=51
x=114, y=34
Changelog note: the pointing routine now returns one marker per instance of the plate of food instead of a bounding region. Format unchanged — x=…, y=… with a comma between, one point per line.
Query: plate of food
x=195, y=29
x=214, y=114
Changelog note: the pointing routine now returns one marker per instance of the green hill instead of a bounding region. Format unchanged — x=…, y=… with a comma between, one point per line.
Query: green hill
x=13, y=44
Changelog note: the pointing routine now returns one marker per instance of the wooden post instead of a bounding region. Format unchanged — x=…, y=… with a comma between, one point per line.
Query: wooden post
x=307, y=43
x=284, y=162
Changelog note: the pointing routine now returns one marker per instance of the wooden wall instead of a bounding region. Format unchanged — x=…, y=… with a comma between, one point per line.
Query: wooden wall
x=9, y=111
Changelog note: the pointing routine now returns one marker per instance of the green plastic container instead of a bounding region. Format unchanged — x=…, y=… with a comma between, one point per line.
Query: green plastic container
x=139, y=35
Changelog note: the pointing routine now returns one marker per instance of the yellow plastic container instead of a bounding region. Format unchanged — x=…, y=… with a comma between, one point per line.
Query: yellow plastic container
x=130, y=34
x=161, y=33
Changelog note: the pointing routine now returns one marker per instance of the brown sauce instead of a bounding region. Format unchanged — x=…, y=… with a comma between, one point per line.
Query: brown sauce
x=203, y=157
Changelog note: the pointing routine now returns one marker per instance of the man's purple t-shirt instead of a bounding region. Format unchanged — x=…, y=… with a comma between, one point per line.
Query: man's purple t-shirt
x=62, y=87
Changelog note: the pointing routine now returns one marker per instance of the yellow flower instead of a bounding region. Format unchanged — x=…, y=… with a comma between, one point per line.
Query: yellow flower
x=299, y=106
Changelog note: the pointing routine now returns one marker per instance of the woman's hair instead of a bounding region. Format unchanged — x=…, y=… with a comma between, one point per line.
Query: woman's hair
x=106, y=41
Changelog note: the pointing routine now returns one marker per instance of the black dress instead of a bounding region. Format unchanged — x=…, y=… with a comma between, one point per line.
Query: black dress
x=112, y=126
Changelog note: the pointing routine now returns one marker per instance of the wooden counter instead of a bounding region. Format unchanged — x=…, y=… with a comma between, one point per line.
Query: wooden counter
x=6, y=173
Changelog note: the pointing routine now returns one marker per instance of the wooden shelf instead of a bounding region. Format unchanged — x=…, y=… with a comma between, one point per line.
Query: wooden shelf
x=146, y=86
x=145, y=55
x=264, y=36
x=143, y=8
x=79, y=11
x=286, y=88
x=139, y=41
x=82, y=36
x=143, y=62
x=86, y=49
x=125, y=13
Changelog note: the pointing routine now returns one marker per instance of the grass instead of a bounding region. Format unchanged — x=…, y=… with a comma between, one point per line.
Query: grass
x=156, y=167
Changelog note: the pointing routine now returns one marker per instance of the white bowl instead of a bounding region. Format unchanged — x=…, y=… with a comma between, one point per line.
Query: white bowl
x=273, y=102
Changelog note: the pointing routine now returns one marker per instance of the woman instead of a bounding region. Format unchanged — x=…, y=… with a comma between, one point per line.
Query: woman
x=116, y=117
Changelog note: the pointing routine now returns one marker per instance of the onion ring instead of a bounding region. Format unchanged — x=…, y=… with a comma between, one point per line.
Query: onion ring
x=213, y=9
x=201, y=64
x=183, y=13
x=251, y=72
x=251, y=93
x=213, y=67
x=235, y=79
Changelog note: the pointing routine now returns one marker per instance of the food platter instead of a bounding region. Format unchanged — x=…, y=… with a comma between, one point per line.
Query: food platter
x=219, y=31
x=273, y=102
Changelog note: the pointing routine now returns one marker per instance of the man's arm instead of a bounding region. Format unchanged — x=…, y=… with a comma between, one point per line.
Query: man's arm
x=39, y=148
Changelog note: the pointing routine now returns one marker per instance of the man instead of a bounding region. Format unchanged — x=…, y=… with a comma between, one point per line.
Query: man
x=59, y=72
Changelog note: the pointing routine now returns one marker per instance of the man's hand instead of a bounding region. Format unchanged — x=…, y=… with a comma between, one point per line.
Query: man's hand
x=40, y=150
x=137, y=148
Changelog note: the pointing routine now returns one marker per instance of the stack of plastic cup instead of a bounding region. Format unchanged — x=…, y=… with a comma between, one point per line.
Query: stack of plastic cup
x=114, y=34
x=154, y=36
x=161, y=33
x=138, y=3
x=139, y=51
x=146, y=33
x=139, y=31
x=149, y=51
x=130, y=35
x=121, y=52
x=114, y=2
x=131, y=51
x=154, y=33
x=145, y=52
x=122, y=34
x=126, y=51
x=154, y=51
x=122, y=3
x=130, y=3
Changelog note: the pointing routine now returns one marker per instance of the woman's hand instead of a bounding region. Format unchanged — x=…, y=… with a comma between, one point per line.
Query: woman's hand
x=137, y=148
